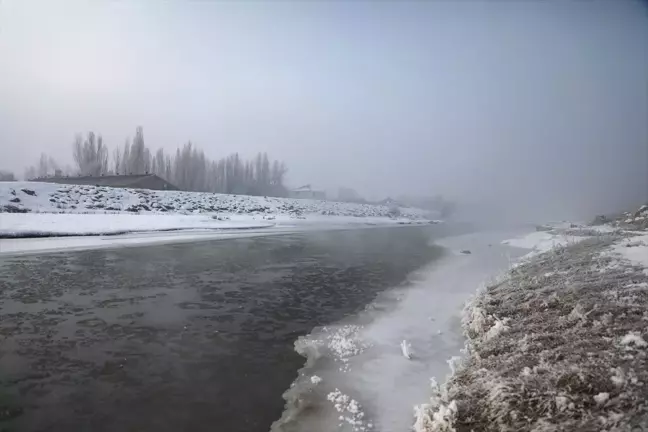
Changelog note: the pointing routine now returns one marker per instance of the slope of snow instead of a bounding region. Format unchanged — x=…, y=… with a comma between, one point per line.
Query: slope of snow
x=33, y=209
x=58, y=198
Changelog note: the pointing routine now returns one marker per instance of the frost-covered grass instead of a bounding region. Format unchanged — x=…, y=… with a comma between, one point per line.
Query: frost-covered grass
x=558, y=344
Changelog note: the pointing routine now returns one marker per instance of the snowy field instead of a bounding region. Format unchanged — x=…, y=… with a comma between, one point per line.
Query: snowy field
x=31, y=209
x=557, y=343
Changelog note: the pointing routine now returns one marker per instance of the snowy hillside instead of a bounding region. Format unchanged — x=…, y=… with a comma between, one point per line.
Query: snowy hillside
x=46, y=209
x=57, y=198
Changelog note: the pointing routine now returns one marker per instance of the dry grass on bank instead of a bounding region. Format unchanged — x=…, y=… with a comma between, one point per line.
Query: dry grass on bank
x=560, y=344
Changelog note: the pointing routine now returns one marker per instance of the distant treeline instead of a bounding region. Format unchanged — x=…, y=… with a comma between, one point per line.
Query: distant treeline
x=189, y=169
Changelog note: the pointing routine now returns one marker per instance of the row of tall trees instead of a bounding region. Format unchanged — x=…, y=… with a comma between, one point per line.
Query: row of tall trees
x=91, y=158
x=188, y=168
x=46, y=166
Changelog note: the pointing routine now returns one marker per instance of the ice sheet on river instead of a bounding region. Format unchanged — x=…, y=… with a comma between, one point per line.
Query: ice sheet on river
x=356, y=377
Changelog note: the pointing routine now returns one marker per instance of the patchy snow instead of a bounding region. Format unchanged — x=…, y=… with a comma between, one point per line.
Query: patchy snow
x=406, y=349
x=550, y=236
x=601, y=398
x=602, y=229
x=498, y=328
x=540, y=241
x=566, y=226
x=350, y=411
x=634, y=339
x=344, y=343
x=633, y=249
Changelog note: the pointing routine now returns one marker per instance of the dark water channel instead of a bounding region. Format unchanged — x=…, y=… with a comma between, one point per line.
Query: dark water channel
x=185, y=337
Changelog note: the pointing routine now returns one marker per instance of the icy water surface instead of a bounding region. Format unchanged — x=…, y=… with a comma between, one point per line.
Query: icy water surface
x=193, y=337
x=358, y=376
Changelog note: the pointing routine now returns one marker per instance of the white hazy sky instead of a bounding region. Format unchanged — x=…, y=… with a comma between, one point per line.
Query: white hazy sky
x=537, y=105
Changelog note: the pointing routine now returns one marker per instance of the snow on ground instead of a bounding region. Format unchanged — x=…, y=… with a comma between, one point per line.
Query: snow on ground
x=540, y=241
x=57, y=198
x=559, y=343
x=633, y=249
x=550, y=236
x=60, y=224
x=16, y=225
x=29, y=209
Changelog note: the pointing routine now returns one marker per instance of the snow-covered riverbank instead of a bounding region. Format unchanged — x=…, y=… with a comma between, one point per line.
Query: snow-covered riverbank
x=31, y=209
x=558, y=343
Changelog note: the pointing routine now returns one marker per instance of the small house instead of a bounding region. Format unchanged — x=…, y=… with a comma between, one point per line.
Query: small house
x=307, y=192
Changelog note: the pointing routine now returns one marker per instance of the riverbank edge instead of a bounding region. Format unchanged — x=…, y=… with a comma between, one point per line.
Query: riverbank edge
x=557, y=343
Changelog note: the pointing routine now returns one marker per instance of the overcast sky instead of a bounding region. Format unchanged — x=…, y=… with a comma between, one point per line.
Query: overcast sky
x=537, y=105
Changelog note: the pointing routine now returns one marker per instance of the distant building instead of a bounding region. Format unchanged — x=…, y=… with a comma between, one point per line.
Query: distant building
x=307, y=191
x=135, y=181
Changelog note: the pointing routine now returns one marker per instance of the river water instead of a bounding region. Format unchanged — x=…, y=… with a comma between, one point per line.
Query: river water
x=210, y=335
